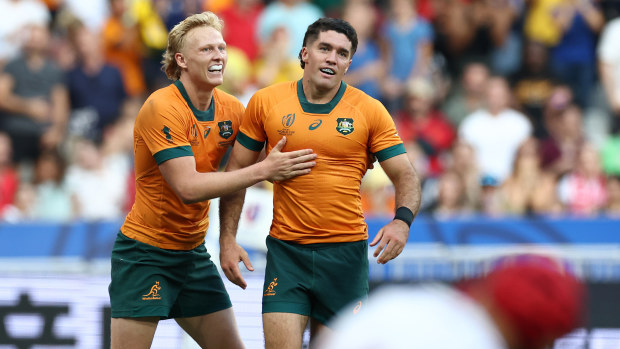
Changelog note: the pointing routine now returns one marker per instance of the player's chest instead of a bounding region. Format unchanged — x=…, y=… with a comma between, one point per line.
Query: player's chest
x=339, y=132
x=211, y=139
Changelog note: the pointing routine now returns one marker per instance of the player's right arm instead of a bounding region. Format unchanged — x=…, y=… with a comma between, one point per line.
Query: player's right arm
x=231, y=253
x=192, y=186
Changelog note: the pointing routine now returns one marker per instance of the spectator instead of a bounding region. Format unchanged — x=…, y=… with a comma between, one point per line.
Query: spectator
x=9, y=179
x=496, y=132
x=53, y=201
x=368, y=67
x=533, y=85
x=561, y=148
x=97, y=182
x=241, y=20
x=421, y=122
x=463, y=162
x=22, y=209
x=529, y=189
x=582, y=191
x=34, y=102
x=96, y=89
x=573, y=58
x=469, y=95
x=291, y=17
x=15, y=18
x=409, y=39
x=609, y=69
x=612, y=208
x=452, y=197
x=526, y=301
x=123, y=47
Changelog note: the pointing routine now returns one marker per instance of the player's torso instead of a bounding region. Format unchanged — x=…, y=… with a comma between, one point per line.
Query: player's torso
x=157, y=209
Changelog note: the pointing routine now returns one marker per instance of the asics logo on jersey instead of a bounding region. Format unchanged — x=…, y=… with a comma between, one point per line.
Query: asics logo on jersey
x=288, y=120
x=207, y=131
x=269, y=291
x=153, y=292
x=313, y=126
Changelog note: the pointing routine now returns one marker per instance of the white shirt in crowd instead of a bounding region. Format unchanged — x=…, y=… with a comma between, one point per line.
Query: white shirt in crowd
x=495, y=139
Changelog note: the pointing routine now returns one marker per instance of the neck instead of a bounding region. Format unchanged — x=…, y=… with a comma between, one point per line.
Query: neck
x=317, y=95
x=200, y=97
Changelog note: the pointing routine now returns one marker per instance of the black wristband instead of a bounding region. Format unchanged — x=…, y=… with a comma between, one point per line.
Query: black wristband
x=404, y=214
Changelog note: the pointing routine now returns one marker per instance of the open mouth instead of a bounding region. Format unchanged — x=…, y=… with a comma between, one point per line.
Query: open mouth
x=216, y=68
x=328, y=71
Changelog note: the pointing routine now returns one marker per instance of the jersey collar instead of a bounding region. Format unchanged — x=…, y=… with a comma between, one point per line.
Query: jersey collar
x=207, y=115
x=319, y=108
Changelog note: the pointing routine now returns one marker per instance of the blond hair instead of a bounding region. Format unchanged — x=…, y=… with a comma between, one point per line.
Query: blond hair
x=176, y=39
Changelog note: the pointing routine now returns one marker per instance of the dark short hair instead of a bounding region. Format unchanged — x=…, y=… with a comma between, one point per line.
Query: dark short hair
x=326, y=24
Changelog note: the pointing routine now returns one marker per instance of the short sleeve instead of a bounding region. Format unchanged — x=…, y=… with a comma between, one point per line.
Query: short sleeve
x=163, y=130
x=252, y=132
x=384, y=141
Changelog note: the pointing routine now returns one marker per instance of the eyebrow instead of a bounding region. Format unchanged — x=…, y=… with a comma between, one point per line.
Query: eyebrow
x=341, y=49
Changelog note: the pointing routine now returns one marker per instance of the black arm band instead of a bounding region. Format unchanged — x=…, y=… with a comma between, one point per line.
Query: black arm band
x=404, y=214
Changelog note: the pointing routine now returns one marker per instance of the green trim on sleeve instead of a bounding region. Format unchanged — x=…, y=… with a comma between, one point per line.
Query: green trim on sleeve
x=390, y=152
x=248, y=142
x=171, y=153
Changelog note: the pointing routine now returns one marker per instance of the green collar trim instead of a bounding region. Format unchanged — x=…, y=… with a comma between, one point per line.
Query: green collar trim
x=319, y=108
x=207, y=115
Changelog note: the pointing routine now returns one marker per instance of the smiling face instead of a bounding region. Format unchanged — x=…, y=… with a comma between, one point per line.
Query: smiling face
x=326, y=60
x=203, y=56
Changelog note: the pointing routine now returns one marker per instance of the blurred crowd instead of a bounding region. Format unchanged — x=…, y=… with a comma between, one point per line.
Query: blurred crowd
x=506, y=107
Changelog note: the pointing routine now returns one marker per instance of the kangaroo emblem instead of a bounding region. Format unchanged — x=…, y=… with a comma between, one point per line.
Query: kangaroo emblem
x=269, y=291
x=153, y=293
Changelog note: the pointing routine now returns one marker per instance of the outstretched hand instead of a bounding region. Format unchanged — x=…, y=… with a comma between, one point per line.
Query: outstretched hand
x=392, y=239
x=284, y=165
x=230, y=256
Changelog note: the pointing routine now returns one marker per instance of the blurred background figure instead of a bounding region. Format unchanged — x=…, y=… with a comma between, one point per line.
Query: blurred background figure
x=497, y=131
x=420, y=121
x=368, y=67
x=240, y=26
x=468, y=95
x=533, y=85
x=97, y=182
x=608, y=58
x=123, y=47
x=582, y=190
x=53, y=200
x=9, y=178
x=612, y=209
x=560, y=149
x=409, y=39
x=529, y=189
x=293, y=18
x=15, y=17
x=573, y=59
x=34, y=103
x=96, y=89
x=524, y=301
x=452, y=198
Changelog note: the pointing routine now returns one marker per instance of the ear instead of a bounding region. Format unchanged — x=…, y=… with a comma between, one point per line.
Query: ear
x=180, y=59
x=304, y=54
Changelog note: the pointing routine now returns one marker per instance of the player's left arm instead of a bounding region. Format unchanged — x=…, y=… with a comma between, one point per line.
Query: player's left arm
x=391, y=239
